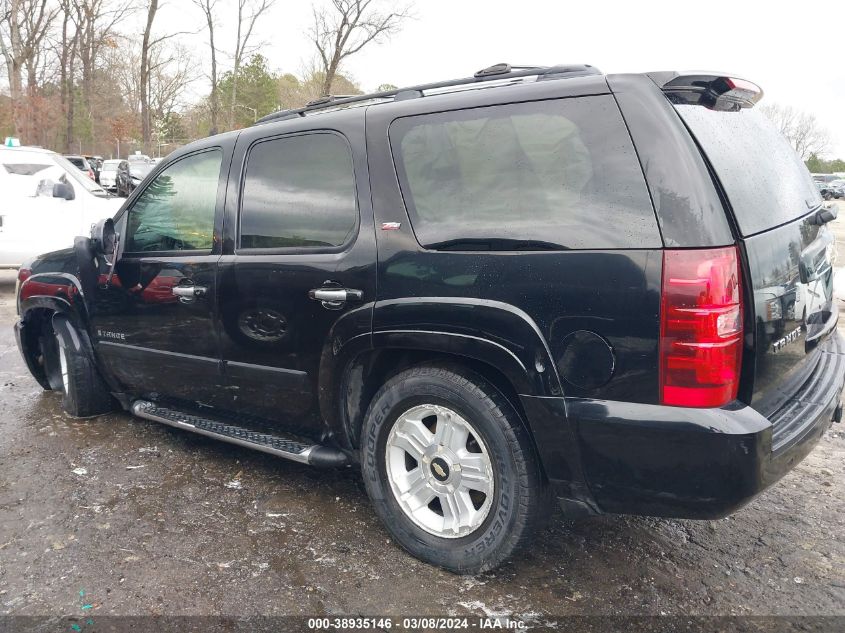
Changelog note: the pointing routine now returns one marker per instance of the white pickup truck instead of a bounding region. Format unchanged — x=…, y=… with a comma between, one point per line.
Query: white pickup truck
x=44, y=203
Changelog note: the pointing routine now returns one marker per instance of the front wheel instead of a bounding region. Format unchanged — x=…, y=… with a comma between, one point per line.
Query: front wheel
x=450, y=469
x=84, y=393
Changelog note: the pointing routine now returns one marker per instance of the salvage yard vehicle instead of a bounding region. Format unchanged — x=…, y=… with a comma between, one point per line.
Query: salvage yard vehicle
x=82, y=164
x=485, y=293
x=115, y=176
x=44, y=202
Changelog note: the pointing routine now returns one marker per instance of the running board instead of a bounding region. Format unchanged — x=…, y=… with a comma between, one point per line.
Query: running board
x=267, y=442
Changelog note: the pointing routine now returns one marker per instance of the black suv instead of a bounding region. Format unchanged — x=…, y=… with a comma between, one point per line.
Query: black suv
x=613, y=290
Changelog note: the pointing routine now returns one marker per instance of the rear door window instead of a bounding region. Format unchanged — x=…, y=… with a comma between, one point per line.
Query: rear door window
x=764, y=179
x=299, y=192
x=558, y=174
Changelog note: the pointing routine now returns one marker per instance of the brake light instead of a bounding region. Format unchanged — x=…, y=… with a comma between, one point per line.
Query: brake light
x=700, y=327
x=717, y=92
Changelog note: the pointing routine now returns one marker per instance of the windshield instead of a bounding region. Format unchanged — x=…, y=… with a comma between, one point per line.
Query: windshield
x=80, y=178
x=766, y=182
x=110, y=166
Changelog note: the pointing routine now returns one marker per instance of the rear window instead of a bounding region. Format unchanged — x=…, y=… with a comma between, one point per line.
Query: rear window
x=546, y=174
x=764, y=179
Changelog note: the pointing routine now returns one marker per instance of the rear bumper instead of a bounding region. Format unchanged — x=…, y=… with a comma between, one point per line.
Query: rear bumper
x=698, y=463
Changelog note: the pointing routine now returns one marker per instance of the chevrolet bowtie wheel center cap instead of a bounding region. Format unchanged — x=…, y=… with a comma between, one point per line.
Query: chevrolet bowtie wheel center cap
x=440, y=469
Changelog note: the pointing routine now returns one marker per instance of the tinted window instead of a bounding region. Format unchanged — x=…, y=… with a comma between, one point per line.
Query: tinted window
x=299, y=191
x=558, y=174
x=765, y=181
x=176, y=210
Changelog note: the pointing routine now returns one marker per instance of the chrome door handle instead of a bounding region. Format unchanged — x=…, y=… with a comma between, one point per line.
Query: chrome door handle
x=334, y=298
x=189, y=292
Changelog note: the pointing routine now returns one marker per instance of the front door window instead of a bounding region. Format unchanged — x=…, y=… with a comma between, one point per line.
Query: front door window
x=176, y=210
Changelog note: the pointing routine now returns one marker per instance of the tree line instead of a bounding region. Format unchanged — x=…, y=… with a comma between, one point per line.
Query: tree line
x=80, y=81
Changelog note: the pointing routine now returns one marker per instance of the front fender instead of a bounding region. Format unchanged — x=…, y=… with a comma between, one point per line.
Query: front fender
x=59, y=292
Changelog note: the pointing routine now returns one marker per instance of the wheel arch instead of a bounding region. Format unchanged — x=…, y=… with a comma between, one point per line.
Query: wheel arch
x=366, y=372
x=56, y=300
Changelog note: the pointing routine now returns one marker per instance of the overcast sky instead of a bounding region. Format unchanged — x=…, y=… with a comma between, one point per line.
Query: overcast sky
x=794, y=50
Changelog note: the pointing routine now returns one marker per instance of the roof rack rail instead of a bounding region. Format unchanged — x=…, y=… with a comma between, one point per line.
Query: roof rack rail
x=497, y=72
x=327, y=99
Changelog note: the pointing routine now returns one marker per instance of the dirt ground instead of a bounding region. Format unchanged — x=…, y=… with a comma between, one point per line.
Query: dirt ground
x=120, y=516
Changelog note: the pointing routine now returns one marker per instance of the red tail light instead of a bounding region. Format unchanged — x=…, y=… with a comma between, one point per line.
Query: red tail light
x=700, y=327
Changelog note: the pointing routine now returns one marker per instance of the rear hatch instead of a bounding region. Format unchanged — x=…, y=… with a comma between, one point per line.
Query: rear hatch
x=789, y=252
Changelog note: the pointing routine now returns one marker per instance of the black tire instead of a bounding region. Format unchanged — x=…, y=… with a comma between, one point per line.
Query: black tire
x=519, y=498
x=84, y=393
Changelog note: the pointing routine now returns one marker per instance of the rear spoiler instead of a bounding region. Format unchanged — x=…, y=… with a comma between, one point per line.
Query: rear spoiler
x=714, y=91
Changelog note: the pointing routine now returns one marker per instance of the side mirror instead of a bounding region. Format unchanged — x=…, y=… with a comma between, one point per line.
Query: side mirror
x=104, y=237
x=63, y=190
x=825, y=215
x=105, y=240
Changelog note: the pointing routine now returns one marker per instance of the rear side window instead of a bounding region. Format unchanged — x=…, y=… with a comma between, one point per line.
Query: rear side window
x=299, y=192
x=549, y=174
x=764, y=179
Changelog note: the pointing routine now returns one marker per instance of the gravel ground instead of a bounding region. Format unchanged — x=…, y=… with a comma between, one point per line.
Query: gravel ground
x=126, y=517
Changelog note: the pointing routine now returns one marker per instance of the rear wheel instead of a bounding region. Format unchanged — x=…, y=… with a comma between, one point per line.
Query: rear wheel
x=450, y=468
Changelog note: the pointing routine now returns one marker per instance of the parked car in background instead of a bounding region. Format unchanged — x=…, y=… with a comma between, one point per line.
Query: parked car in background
x=96, y=163
x=828, y=191
x=485, y=296
x=82, y=164
x=45, y=200
x=115, y=177
x=139, y=166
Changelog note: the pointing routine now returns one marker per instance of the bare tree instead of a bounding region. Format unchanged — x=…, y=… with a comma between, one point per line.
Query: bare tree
x=148, y=65
x=801, y=129
x=171, y=70
x=344, y=27
x=24, y=24
x=146, y=46
x=208, y=8
x=67, y=56
x=248, y=13
x=95, y=24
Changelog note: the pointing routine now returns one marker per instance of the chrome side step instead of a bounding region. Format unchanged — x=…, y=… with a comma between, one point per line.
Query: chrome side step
x=267, y=442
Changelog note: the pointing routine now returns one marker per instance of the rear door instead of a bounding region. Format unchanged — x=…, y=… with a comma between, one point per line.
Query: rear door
x=297, y=280
x=154, y=325
x=519, y=209
x=775, y=206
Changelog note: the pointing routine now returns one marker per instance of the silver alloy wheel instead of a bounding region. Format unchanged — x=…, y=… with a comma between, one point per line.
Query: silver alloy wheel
x=63, y=367
x=439, y=471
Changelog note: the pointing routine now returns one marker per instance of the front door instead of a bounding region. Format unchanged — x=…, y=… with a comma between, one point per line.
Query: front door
x=297, y=288
x=153, y=326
